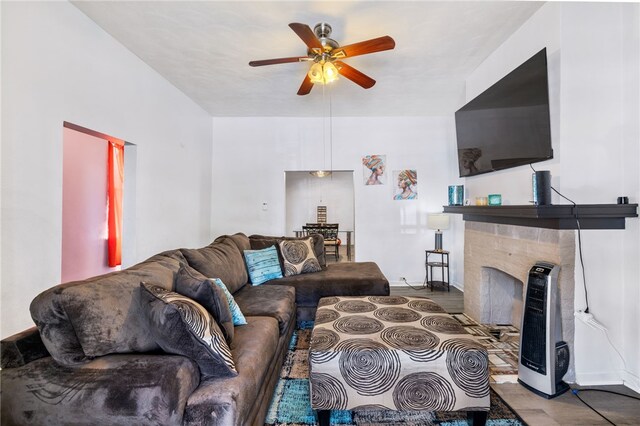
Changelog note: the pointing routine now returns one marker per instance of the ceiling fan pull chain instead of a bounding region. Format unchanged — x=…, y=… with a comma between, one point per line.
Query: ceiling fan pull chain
x=324, y=130
x=330, y=131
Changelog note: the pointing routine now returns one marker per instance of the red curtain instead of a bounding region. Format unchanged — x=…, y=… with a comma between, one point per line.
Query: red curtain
x=116, y=182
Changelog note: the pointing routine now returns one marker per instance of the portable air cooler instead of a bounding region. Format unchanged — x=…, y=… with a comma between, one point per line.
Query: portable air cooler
x=544, y=357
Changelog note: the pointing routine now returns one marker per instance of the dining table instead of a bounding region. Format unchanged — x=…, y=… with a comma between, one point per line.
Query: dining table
x=300, y=233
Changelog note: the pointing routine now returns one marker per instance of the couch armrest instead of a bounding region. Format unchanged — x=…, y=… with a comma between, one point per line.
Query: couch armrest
x=22, y=348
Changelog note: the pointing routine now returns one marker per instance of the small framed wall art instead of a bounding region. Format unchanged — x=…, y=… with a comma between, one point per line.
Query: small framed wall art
x=406, y=184
x=373, y=169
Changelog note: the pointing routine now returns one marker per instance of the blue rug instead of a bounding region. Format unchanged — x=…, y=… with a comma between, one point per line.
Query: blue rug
x=291, y=403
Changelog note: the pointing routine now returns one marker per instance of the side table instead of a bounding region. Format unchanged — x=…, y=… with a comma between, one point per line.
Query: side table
x=441, y=262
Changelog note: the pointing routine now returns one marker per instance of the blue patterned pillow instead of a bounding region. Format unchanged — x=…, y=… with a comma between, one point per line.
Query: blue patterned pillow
x=263, y=265
x=236, y=313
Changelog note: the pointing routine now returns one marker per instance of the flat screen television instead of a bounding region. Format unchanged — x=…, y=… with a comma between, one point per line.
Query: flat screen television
x=508, y=124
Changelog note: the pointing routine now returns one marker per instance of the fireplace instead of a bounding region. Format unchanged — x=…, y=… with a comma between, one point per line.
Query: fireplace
x=497, y=259
x=503, y=301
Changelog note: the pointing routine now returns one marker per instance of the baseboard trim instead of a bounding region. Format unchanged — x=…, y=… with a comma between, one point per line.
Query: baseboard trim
x=419, y=285
x=624, y=377
x=598, y=379
x=631, y=381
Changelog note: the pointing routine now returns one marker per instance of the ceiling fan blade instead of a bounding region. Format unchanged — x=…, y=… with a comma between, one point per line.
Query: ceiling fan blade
x=278, y=61
x=362, y=48
x=354, y=75
x=306, y=86
x=307, y=35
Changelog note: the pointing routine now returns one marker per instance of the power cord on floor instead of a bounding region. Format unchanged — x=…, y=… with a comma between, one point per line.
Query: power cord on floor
x=415, y=288
x=608, y=391
x=576, y=391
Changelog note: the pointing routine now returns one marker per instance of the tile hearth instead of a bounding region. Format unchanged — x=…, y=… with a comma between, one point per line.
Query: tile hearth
x=502, y=343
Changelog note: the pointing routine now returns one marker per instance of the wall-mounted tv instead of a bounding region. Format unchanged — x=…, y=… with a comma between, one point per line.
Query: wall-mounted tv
x=508, y=124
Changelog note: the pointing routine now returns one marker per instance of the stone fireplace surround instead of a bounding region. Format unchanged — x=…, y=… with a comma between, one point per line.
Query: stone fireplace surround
x=497, y=259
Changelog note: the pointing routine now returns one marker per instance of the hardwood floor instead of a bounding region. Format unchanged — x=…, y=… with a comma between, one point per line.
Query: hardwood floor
x=566, y=409
x=452, y=301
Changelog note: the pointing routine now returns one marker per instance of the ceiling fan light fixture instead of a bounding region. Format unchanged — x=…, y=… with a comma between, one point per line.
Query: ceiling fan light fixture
x=327, y=56
x=316, y=73
x=330, y=72
x=323, y=72
x=320, y=173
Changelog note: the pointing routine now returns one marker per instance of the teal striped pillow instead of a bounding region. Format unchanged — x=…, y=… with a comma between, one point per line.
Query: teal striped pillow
x=263, y=265
x=236, y=313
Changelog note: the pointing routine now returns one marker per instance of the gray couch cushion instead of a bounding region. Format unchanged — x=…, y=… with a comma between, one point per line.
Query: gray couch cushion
x=182, y=326
x=111, y=390
x=220, y=259
x=259, y=242
x=228, y=401
x=22, y=348
x=278, y=302
x=196, y=286
x=339, y=279
x=85, y=319
x=241, y=241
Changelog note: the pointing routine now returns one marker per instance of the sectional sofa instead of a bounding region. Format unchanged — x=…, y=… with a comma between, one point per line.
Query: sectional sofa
x=104, y=352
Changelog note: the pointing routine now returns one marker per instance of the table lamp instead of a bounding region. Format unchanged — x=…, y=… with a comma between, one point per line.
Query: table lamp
x=438, y=222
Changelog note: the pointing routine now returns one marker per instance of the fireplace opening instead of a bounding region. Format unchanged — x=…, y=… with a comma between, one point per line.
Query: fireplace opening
x=503, y=298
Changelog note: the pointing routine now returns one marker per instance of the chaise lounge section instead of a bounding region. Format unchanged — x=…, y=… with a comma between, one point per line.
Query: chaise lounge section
x=95, y=358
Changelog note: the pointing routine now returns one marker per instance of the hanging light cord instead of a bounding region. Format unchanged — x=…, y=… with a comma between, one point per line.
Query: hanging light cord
x=324, y=132
x=331, y=133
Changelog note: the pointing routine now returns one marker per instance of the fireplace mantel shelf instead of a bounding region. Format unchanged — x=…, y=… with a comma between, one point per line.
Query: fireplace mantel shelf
x=559, y=216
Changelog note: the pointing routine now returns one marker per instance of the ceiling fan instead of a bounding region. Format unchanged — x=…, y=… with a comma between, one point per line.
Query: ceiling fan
x=326, y=55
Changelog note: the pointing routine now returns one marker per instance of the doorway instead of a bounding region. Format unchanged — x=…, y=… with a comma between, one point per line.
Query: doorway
x=85, y=229
x=304, y=192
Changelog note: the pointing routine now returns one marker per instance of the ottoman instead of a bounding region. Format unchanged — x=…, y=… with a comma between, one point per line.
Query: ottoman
x=395, y=353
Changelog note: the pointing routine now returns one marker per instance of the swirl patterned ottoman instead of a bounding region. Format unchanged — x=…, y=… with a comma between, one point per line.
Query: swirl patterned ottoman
x=396, y=353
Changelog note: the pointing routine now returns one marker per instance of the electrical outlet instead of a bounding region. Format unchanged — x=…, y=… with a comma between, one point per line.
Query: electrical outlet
x=583, y=316
x=403, y=279
x=589, y=320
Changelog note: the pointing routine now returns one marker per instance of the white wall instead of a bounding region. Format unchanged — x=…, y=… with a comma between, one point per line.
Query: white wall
x=58, y=65
x=631, y=179
x=250, y=155
x=304, y=193
x=594, y=56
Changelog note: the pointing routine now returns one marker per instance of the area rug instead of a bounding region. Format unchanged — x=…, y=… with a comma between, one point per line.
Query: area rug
x=291, y=404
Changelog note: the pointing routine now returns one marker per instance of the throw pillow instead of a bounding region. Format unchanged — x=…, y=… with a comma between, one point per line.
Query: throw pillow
x=263, y=265
x=259, y=242
x=236, y=313
x=181, y=326
x=298, y=257
x=196, y=286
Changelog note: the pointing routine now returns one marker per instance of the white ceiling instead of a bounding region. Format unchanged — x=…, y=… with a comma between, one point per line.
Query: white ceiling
x=203, y=48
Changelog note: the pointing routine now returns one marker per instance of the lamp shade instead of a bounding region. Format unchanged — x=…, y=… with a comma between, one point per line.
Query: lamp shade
x=438, y=221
